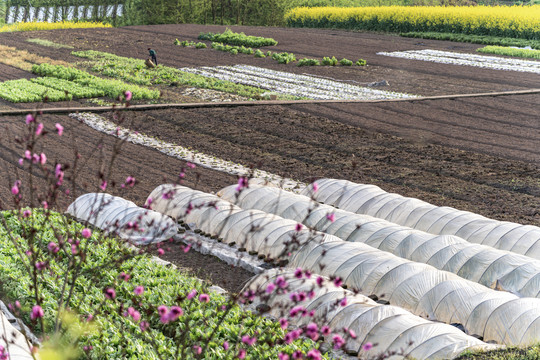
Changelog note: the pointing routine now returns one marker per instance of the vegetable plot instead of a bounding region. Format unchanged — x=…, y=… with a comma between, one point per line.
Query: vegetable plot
x=119, y=337
x=240, y=39
x=508, y=51
x=391, y=327
x=22, y=90
x=109, y=87
x=489, y=62
x=292, y=84
x=62, y=83
x=135, y=71
x=482, y=264
x=74, y=89
x=418, y=214
x=425, y=291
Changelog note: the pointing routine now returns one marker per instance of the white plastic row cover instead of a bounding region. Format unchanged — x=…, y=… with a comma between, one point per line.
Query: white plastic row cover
x=391, y=328
x=418, y=214
x=122, y=217
x=425, y=291
x=256, y=231
x=479, y=263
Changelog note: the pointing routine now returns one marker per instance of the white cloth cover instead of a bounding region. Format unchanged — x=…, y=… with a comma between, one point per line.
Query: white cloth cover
x=420, y=215
x=393, y=329
x=412, y=286
x=488, y=266
x=116, y=215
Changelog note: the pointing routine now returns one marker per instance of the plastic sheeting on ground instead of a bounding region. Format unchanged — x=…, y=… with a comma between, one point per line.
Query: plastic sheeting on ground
x=425, y=291
x=392, y=328
x=418, y=214
x=122, y=217
x=479, y=263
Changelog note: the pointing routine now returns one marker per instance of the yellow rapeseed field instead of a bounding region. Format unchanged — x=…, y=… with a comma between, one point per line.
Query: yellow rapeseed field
x=32, y=26
x=507, y=21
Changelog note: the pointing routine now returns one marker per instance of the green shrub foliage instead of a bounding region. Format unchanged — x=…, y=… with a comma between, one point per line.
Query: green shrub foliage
x=239, y=39
x=308, y=62
x=329, y=61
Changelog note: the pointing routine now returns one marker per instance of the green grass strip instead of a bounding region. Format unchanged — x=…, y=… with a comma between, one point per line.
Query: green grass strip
x=502, y=50
x=24, y=91
x=119, y=337
x=48, y=43
x=475, y=39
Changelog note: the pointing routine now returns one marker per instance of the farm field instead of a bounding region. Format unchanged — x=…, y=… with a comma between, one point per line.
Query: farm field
x=476, y=154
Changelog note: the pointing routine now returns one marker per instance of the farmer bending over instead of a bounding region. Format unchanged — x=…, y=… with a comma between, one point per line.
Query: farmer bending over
x=152, y=53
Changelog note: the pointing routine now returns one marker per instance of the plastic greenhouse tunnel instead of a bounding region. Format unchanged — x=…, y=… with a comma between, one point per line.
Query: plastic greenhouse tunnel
x=418, y=214
x=433, y=294
x=394, y=330
x=122, y=217
x=485, y=265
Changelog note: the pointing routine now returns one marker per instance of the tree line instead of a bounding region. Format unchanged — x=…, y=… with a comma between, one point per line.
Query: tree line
x=147, y=12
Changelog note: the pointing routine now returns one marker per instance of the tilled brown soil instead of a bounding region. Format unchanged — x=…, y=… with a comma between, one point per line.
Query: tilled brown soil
x=493, y=125
x=492, y=186
x=476, y=154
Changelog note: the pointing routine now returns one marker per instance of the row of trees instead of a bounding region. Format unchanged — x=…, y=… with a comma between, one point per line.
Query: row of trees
x=224, y=12
x=135, y=12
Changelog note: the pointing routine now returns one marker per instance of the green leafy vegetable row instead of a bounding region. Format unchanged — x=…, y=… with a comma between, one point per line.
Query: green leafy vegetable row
x=239, y=39
x=23, y=91
x=119, y=336
x=45, y=42
x=281, y=58
x=232, y=49
x=475, y=39
x=73, y=88
x=110, y=87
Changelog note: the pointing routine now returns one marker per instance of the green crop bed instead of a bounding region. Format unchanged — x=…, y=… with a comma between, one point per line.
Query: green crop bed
x=23, y=91
x=119, y=336
x=110, y=87
x=73, y=88
x=238, y=39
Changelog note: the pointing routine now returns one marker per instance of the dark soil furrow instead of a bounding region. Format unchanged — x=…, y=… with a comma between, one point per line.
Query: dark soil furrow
x=435, y=173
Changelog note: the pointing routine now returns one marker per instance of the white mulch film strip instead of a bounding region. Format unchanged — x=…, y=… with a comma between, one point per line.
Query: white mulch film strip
x=292, y=84
x=483, y=61
x=210, y=162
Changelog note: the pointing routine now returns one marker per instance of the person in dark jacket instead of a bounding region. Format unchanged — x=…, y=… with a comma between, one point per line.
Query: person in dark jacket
x=152, y=53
